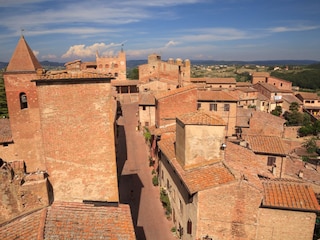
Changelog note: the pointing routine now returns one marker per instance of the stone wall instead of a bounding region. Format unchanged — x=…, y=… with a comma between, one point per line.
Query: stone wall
x=21, y=192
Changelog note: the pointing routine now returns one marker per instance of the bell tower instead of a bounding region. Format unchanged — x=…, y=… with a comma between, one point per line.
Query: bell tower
x=23, y=106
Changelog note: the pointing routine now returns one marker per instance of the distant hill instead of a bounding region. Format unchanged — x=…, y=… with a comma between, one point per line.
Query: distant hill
x=135, y=63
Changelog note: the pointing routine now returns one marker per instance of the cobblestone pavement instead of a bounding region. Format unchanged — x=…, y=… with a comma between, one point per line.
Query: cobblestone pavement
x=135, y=180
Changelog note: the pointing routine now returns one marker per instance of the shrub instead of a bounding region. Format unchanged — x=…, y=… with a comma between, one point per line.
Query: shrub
x=155, y=180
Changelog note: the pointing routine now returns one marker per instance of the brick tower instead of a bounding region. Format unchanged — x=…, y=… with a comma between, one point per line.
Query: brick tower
x=23, y=105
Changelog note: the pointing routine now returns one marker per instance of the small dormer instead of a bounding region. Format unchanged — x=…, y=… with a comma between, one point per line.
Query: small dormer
x=200, y=139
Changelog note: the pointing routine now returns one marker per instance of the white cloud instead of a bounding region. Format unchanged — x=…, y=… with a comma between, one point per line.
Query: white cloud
x=292, y=29
x=170, y=43
x=36, y=53
x=84, y=51
x=50, y=57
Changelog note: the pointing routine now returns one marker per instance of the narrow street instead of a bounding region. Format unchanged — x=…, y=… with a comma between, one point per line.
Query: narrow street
x=135, y=181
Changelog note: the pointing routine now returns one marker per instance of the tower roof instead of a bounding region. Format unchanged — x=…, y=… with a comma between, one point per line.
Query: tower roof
x=23, y=58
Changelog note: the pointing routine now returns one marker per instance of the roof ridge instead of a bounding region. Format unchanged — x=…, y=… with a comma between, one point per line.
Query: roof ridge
x=23, y=58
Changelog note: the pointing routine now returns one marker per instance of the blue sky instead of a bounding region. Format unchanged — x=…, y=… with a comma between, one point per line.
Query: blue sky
x=64, y=30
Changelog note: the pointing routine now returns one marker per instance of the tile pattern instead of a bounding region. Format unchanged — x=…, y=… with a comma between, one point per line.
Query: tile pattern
x=216, y=96
x=265, y=144
x=84, y=221
x=289, y=195
x=201, y=118
x=243, y=163
x=25, y=227
x=173, y=92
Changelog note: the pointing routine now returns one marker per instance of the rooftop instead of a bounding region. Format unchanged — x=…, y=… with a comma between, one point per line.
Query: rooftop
x=201, y=118
x=265, y=144
x=64, y=220
x=174, y=91
x=198, y=178
x=289, y=195
x=216, y=96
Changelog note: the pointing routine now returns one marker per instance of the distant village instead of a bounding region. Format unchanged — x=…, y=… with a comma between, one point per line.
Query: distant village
x=227, y=166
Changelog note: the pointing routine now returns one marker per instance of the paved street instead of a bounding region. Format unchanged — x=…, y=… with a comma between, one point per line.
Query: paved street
x=135, y=182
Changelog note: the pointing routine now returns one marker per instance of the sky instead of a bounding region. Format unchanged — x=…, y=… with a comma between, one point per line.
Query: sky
x=247, y=30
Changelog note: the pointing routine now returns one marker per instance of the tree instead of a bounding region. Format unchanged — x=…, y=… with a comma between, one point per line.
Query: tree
x=277, y=111
x=3, y=100
x=294, y=107
x=311, y=145
x=133, y=73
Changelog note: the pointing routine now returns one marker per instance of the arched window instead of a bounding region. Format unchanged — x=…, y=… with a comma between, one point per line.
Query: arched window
x=189, y=227
x=23, y=101
x=115, y=65
x=107, y=66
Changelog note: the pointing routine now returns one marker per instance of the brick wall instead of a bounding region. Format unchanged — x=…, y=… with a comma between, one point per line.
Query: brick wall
x=25, y=122
x=78, y=137
x=171, y=106
x=286, y=225
x=228, y=212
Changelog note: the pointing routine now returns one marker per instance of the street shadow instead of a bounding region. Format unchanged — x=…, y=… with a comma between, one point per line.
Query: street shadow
x=130, y=187
x=121, y=149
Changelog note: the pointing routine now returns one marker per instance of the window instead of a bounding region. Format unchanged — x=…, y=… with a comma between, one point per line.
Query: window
x=181, y=206
x=143, y=108
x=199, y=106
x=116, y=74
x=213, y=107
x=226, y=107
x=115, y=65
x=271, y=161
x=106, y=66
x=23, y=101
x=146, y=124
x=189, y=227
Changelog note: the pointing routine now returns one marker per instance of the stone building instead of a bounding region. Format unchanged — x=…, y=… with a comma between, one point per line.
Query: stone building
x=221, y=103
x=170, y=104
x=220, y=190
x=63, y=124
x=156, y=69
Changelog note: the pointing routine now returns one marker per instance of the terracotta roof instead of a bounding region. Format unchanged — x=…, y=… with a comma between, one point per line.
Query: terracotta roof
x=5, y=131
x=220, y=80
x=269, y=87
x=174, y=91
x=262, y=123
x=201, y=118
x=243, y=117
x=64, y=220
x=165, y=129
x=289, y=195
x=147, y=99
x=265, y=144
x=200, y=178
x=85, y=221
x=243, y=163
x=291, y=98
x=73, y=75
x=27, y=226
x=215, y=96
x=243, y=84
x=23, y=58
x=308, y=95
x=260, y=74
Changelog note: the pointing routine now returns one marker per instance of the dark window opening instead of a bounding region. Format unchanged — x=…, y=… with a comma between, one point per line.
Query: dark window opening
x=213, y=107
x=226, y=107
x=189, y=227
x=271, y=161
x=199, y=106
x=23, y=101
